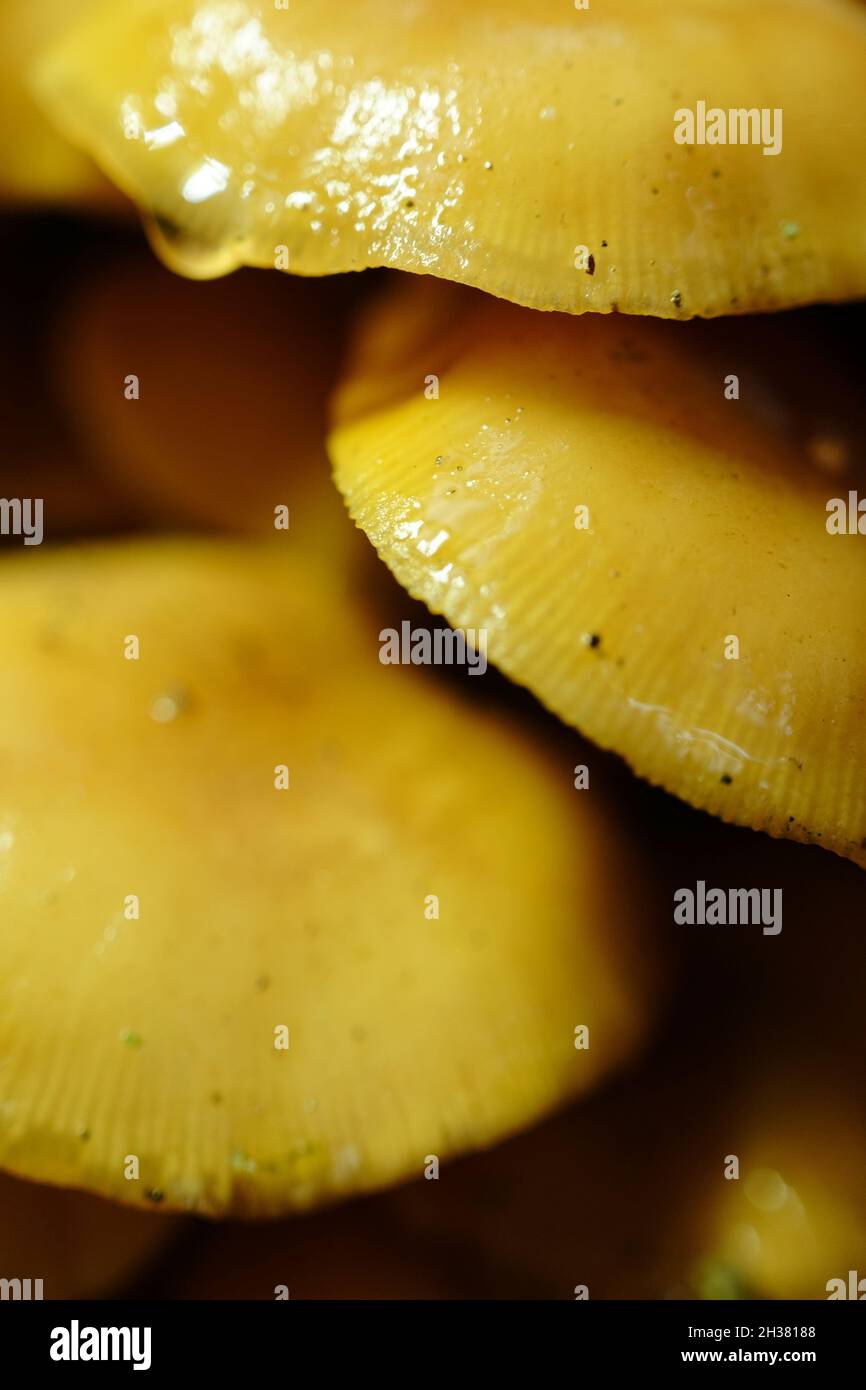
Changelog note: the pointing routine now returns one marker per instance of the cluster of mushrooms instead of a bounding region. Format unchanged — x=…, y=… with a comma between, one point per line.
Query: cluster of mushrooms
x=282, y=923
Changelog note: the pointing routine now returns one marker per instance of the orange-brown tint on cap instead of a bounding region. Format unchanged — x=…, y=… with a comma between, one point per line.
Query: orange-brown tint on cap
x=206, y=403
x=46, y=479
x=643, y=518
x=535, y=150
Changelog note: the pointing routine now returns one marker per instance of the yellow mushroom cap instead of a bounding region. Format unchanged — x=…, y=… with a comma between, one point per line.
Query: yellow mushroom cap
x=795, y=1217
x=646, y=552
x=41, y=461
x=525, y=148
x=244, y=985
x=36, y=163
x=207, y=402
x=634, y=1192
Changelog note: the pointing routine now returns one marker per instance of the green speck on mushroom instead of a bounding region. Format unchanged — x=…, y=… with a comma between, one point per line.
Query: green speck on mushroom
x=131, y=1039
x=790, y=230
x=717, y=1280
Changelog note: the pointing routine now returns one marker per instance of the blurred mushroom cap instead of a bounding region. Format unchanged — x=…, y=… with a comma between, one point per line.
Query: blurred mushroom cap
x=284, y=923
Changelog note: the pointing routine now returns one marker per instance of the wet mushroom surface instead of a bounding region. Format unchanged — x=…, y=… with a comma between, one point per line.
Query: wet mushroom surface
x=397, y=665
